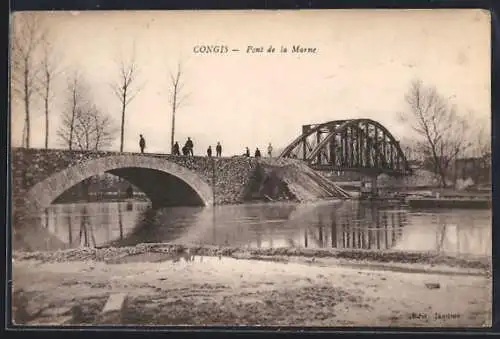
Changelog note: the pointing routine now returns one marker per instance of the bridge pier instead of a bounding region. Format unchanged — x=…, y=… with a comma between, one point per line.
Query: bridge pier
x=373, y=189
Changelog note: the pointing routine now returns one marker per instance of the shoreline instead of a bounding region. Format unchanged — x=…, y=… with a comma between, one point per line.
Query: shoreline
x=386, y=259
x=168, y=284
x=202, y=285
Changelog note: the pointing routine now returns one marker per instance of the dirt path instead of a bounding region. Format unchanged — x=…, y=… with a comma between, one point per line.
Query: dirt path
x=211, y=290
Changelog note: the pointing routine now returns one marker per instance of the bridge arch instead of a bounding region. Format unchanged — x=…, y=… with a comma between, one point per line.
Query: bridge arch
x=362, y=145
x=156, y=177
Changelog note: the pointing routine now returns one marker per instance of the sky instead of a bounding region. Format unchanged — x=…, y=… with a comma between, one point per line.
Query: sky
x=364, y=63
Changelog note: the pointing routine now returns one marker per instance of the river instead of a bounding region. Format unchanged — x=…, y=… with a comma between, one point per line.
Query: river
x=347, y=224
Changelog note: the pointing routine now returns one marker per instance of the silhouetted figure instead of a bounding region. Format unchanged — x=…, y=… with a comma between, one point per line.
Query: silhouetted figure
x=218, y=149
x=130, y=192
x=185, y=150
x=209, y=151
x=176, y=149
x=257, y=153
x=142, y=143
x=247, y=152
x=190, y=146
x=270, y=150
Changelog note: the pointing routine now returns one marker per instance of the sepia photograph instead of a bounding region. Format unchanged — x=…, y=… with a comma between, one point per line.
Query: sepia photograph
x=312, y=168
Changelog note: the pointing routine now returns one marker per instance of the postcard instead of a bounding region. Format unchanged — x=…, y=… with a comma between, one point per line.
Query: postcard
x=265, y=168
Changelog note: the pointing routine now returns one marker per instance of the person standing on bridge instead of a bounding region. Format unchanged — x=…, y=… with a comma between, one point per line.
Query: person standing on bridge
x=142, y=143
x=176, y=149
x=209, y=151
x=257, y=152
x=247, y=152
x=218, y=149
x=270, y=150
x=190, y=146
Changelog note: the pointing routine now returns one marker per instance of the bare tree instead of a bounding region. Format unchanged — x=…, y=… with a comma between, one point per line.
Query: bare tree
x=94, y=130
x=481, y=139
x=105, y=130
x=49, y=73
x=439, y=128
x=28, y=32
x=84, y=125
x=125, y=88
x=481, y=148
x=176, y=97
x=77, y=97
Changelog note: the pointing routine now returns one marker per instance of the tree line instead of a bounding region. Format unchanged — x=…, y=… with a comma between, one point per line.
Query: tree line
x=441, y=134
x=36, y=66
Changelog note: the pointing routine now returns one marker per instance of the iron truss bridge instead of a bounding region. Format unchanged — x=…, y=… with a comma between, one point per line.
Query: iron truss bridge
x=354, y=145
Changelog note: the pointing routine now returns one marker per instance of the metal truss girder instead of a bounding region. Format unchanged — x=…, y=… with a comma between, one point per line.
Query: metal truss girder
x=363, y=149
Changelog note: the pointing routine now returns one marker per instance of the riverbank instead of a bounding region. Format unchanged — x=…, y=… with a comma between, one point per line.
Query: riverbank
x=430, y=197
x=176, y=285
x=461, y=203
x=335, y=256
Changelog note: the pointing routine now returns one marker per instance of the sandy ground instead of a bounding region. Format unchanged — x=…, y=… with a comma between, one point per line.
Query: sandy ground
x=181, y=288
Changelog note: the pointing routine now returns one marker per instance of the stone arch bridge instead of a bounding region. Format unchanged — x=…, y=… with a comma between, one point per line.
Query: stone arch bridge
x=39, y=176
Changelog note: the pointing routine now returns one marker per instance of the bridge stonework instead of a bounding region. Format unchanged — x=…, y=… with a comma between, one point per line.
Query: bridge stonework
x=39, y=174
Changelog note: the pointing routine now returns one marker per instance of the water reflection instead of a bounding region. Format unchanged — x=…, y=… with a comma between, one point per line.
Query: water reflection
x=86, y=229
x=322, y=225
x=120, y=220
x=70, y=228
x=89, y=225
x=458, y=232
x=347, y=227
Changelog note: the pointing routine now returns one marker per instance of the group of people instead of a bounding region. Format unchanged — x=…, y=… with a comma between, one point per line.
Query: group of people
x=257, y=153
x=187, y=149
x=218, y=150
